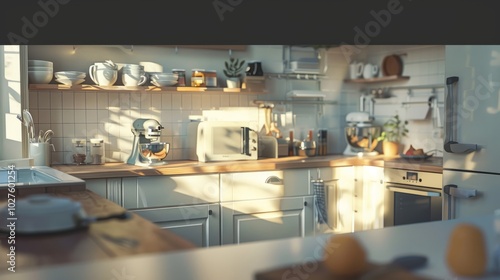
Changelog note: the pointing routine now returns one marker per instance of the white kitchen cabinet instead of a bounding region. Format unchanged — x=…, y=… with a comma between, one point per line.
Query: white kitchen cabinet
x=371, y=214
x=266, y=219
x=196, y=223
x=186, y=205
x=109, y=188
x=162, y=191
x=339, y=192
x=265, y=205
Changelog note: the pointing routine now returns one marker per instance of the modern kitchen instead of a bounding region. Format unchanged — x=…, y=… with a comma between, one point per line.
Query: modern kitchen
x=162, y=168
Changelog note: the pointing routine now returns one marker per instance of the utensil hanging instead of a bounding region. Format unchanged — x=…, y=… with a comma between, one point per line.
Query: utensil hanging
x=28, y=122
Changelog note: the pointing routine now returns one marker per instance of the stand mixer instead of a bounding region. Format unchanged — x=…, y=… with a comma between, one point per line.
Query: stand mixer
x=145, y=148
x=361, y=135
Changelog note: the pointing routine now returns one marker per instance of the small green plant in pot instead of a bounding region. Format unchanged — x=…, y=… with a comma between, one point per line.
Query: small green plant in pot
x=233, y=71
x=394, y=130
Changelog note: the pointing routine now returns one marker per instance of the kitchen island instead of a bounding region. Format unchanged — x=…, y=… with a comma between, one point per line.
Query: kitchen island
x=245, y=260
x=100, y=241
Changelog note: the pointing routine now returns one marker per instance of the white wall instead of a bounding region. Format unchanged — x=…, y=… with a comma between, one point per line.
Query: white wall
x=10, y=103
x=109, y=114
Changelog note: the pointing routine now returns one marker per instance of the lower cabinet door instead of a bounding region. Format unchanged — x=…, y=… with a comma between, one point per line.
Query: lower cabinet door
x=196, y=223
x=266, y=219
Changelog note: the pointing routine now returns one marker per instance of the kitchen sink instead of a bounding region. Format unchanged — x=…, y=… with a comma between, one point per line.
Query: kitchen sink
x=36, y=176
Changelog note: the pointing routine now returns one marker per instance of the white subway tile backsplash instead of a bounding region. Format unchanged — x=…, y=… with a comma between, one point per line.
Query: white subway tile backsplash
x=114, y=100
x=43, y=116
x=56, y=116
x=176, y=101
x=234, y=100
x=33, y=100
x=80, y=116
x=68, y=130
x=68, y=116
x=55, y=100
x=68, y=100
x=206, y=102
x=145, y=100
x=44, y=100
x=80, y=130
x=102, y=100
x=102, y=116
x=80, y=99
x=156, y=101
x=125, y=100
x=166, y=100
x=186, y=101
x=91, y=116
x=90, y=100
x=224, y=102
x=196, y=101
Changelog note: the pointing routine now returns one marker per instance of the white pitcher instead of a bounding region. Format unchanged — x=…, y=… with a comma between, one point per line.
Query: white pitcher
x=103, y=73
x=356, y=70
x=370, y=71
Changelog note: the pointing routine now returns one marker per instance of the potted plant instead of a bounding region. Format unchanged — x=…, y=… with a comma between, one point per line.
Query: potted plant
x=394, y=130
x=233, y=71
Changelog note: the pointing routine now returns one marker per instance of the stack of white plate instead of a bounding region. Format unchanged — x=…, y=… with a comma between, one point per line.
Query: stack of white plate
x=161, y=79
x=70, y=78
x=40, y=71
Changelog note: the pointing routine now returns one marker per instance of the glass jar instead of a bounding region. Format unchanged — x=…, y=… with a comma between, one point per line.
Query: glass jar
x=79, y=151
x=97, y=150
x=198, y=77
x=211, y=78
x=181, y=81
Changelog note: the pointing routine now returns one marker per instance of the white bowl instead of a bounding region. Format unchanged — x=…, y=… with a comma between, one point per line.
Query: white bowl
x=44, y=63
x=70, y=75
x=70, y=82
x=163, y=83
x=40, y=68
x=40, y=77
x=163, y=76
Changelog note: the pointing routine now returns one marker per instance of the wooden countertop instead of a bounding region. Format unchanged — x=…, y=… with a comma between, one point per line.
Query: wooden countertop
x=112, y=170
x=100, y=241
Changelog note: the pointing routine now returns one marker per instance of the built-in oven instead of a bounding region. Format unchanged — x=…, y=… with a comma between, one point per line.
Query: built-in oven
x=412, y=197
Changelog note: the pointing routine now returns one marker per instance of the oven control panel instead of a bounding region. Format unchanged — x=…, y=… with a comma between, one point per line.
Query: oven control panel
x=415, y=178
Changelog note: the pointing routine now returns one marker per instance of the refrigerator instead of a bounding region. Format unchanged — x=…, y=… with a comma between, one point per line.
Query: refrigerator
x=471, y=156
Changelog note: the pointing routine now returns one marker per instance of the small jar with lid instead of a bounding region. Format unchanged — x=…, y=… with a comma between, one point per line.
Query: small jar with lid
x=198, y=77
x=97, y=150
x=181, y=80
x=79, y=151
x=211, y=78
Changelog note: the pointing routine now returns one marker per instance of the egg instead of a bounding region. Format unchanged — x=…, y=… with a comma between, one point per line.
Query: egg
x=345, y=256
x=466, y=253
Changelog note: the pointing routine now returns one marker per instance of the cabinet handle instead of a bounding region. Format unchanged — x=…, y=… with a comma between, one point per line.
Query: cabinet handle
x=305, y=203
x=273, y=180
x=210, y=212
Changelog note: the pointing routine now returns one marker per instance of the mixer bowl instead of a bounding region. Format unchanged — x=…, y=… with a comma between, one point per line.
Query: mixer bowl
x=363, y=139
x=153, y=152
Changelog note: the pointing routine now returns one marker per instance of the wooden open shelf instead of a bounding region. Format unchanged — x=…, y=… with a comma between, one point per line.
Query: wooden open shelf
x=379, y=79
x=84, y=87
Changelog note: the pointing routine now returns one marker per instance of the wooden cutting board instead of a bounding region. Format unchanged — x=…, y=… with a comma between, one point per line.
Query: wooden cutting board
x=392, y=65
x=317, y=271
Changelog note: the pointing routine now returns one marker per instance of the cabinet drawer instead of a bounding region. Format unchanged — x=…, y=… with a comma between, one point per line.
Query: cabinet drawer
x=158, y=191
x=265, y=184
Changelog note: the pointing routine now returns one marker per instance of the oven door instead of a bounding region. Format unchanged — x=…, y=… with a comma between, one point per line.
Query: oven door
x=406, y=204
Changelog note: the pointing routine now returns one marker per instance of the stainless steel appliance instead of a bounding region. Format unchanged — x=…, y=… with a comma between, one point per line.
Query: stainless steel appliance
x=471, y=157
x=146, y=150
x=361, y=135
x=412, y=197
x=222, y=141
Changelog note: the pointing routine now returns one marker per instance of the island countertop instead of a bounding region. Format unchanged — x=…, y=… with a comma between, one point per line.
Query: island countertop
x=100, y=241
x=187, y=167
x=243, y=261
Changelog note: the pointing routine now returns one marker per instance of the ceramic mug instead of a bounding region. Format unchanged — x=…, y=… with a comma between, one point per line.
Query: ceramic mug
x=102, y=75
x=370, y=71
x=134, y=78
x=356, y=70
